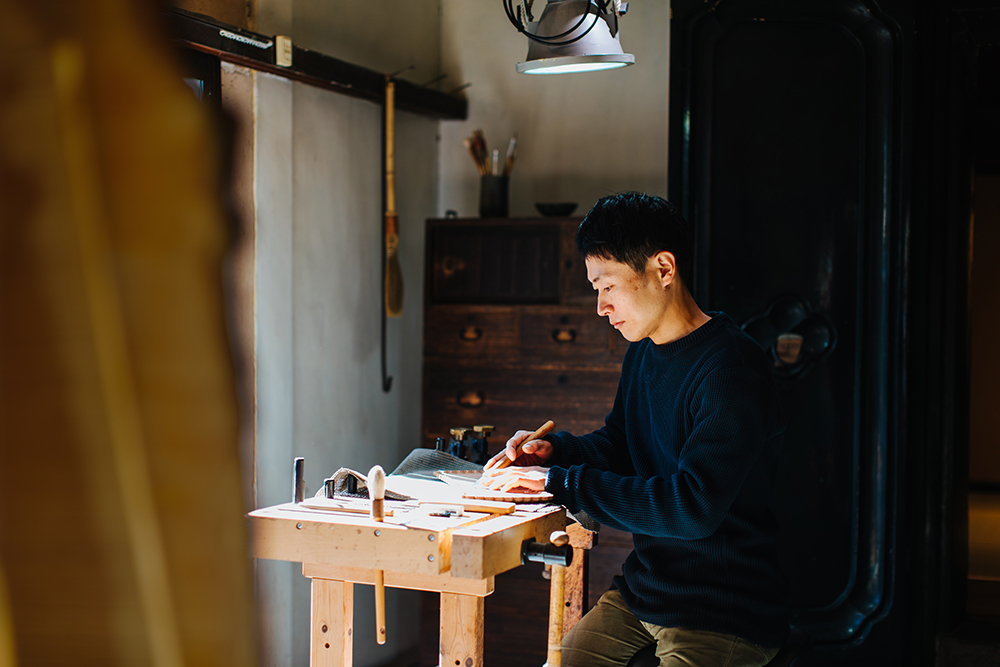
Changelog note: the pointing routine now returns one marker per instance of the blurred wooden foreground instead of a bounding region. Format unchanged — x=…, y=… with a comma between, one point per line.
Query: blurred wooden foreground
x=122, y=540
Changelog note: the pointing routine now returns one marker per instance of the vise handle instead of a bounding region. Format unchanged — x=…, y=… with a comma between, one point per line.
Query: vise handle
x=559, y=552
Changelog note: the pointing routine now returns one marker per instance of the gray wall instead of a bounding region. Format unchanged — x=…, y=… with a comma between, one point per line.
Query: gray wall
x=317, y=165
x=318, y=291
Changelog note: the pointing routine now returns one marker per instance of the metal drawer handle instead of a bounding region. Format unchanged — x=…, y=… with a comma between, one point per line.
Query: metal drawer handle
x=451, y=265
x=471, y=399
x=471, y=333
x=563, y=336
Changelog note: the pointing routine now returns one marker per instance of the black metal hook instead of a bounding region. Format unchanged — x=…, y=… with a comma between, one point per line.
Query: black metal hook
x=439, y=77
x=398, y=72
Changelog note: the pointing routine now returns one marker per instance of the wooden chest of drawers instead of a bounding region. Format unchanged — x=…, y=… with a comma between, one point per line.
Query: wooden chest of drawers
x=511, y=332
x=512, y=338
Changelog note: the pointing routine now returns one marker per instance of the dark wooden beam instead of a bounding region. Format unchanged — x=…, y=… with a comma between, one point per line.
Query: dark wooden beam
x=257, y=51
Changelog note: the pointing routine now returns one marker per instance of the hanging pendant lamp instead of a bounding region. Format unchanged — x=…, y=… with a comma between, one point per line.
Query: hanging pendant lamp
x=571, y=36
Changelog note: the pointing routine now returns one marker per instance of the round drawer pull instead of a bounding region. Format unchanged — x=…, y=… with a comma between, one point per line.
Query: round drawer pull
x=471, y=399
x=471, y=333
x=564, y=336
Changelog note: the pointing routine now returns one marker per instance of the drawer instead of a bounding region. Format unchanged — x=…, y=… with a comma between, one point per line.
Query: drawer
x=470, y=334
x=576, y=400
x=568, y=337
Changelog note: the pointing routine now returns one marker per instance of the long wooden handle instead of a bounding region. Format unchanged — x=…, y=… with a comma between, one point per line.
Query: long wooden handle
x=557, y=595
x=390, y=148
x=393, y=280
x=380, y=607
x=376, y=491
x=542, y=431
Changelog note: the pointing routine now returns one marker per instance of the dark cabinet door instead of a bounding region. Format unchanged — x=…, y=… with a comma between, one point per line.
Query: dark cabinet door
x=785, y=160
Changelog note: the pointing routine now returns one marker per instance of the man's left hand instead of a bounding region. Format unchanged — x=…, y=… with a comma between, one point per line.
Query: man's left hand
x=515, y=478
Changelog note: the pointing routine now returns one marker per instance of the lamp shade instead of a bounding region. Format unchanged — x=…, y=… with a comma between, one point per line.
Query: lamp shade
x=561, y=20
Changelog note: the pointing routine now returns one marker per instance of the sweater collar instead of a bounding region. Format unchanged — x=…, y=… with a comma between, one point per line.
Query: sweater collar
x=696, y=337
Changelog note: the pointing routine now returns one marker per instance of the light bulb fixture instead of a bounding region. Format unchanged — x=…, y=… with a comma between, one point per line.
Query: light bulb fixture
x=570, y=35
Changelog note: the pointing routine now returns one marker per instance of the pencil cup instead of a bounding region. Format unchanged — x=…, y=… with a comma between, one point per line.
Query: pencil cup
x=493, y=197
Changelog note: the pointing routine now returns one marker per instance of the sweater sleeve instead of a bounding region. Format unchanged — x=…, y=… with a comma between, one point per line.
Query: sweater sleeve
x=731, y=422
x=605, y=448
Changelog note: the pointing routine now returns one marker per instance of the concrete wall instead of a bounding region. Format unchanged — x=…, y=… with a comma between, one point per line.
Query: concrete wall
x=318, y=301
x=317, y=158
x=581, y=136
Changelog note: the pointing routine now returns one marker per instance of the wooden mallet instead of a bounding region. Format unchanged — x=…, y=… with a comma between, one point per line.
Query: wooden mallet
x=376, y=491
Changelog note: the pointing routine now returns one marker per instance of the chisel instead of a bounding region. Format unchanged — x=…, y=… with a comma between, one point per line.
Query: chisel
x=542, y=431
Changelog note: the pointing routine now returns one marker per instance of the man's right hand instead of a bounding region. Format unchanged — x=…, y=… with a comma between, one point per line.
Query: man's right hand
x=533, y=452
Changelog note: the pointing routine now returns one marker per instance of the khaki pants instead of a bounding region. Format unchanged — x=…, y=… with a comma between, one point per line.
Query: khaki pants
x=609, y=635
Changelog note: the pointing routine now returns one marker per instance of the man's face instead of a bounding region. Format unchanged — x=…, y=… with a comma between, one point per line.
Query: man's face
x=634, y=303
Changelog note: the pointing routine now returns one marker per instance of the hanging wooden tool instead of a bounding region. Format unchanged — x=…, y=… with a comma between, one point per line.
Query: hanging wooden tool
x=393, y=272
x=376, y=492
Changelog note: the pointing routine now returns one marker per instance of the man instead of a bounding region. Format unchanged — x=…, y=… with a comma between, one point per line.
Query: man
x=686, y=460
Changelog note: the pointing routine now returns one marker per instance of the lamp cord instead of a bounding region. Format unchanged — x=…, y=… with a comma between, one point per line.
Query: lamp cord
x=514, y=16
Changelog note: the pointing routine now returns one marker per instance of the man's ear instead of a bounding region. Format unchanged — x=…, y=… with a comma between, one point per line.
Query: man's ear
x=666, y=267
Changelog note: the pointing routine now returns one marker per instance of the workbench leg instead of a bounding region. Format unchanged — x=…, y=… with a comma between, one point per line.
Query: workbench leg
x=332, y=624
x=557, y=602
x=575, y=597
x=461, y=631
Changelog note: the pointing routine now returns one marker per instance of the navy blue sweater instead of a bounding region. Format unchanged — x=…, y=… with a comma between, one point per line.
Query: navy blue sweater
x=686, y=462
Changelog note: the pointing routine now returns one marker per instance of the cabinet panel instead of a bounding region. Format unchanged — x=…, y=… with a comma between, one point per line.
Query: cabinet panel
x=573, y=284
x=494, y=264
x=785, y=142
x=576, y=400
x=511, y=260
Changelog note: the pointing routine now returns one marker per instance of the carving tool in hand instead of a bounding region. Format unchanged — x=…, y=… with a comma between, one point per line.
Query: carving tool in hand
x=503, y=461
x=376, y=491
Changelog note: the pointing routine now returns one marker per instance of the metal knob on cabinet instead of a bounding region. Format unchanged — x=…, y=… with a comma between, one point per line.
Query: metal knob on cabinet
x=471, y=399
x=563, y=336
x=471, y=333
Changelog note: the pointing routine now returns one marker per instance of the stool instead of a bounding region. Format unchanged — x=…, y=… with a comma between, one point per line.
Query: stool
x=795, y=645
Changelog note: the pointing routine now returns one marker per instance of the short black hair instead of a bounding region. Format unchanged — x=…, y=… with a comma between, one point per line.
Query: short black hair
x=631, y=227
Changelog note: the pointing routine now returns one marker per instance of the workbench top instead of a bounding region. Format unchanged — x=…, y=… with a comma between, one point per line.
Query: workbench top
x=475, y=545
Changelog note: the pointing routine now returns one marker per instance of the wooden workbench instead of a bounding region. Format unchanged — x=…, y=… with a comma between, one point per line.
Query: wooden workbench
x=457, y=557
